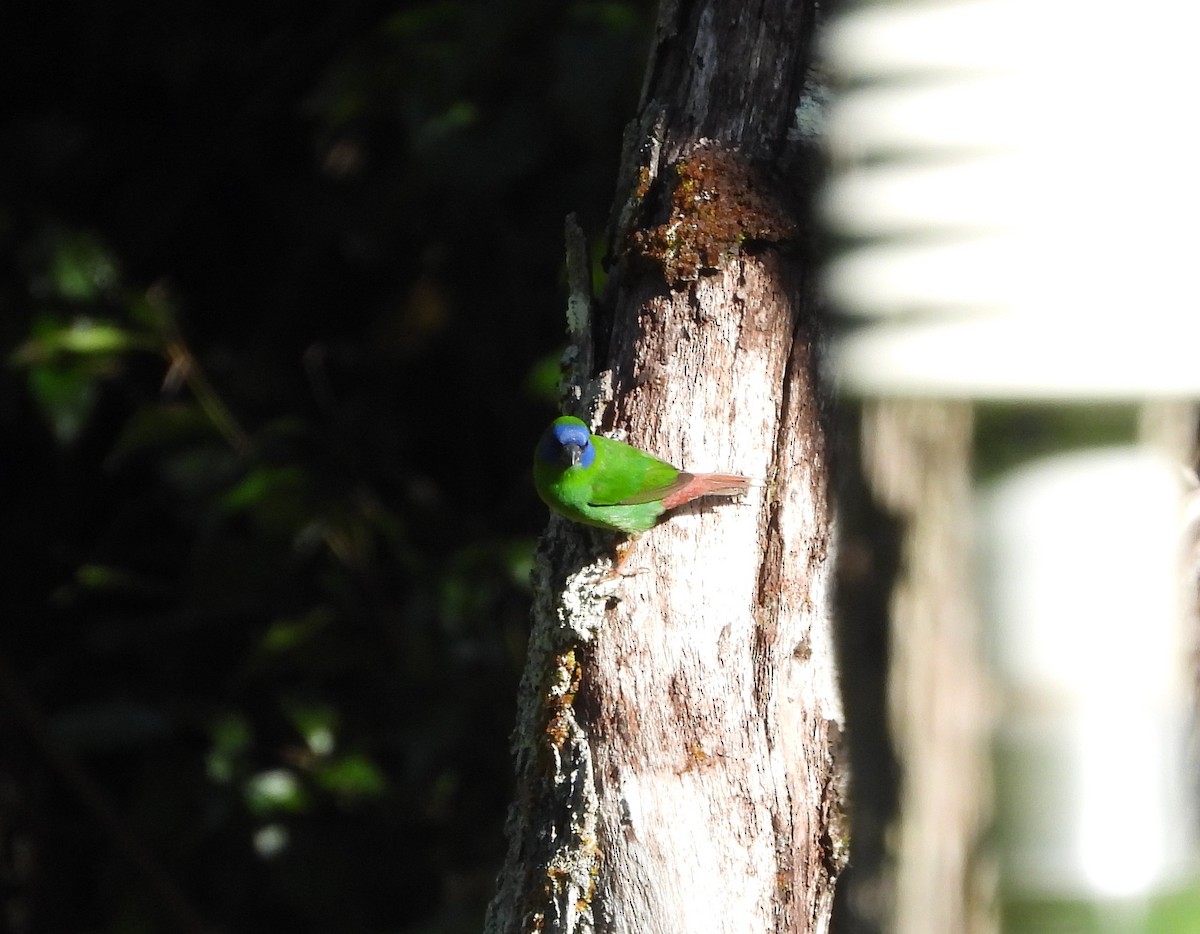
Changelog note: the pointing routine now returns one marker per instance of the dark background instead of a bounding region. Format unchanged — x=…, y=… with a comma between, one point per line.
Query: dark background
x=281, y=304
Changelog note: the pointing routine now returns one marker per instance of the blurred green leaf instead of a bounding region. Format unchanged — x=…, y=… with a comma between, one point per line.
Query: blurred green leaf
x=92, y=579
x=230, y=738
x=544, y=377
x=351, y=776
x=276, y=791
x=85, y=336
x=53, y=339
x=457, y=116
x=81, y=267
x=65, y=396
x=263, y=484
x=279, y=500
x=65, y=360
x=99, y=577
x=317, y=723
x=286, y=634
x=518, y=558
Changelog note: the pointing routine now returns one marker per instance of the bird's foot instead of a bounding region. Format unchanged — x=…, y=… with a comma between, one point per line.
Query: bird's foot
x=619, y=568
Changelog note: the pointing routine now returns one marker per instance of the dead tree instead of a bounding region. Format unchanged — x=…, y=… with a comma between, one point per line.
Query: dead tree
x=677, y=726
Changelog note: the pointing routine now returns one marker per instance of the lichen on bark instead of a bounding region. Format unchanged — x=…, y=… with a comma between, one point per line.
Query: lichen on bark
x=550, y=876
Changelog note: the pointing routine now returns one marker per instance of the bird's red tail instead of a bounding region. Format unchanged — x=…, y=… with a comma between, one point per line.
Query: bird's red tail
x=704, y=484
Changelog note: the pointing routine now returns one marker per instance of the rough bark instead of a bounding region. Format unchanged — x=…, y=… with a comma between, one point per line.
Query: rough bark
x=677, y=726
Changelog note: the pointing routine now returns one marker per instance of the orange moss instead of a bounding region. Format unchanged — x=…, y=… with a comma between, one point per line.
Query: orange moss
x=717, y=202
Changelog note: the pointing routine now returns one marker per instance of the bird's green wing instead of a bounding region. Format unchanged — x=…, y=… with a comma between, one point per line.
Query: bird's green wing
x=623, y=475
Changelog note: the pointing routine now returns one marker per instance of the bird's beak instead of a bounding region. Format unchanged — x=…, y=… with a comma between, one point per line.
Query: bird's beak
x=572, y=453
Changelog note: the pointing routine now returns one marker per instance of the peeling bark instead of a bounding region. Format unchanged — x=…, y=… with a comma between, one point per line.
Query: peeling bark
x=677, y=727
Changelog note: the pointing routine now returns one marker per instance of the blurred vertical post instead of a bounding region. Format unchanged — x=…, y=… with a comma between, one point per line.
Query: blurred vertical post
x=916, y=457
x=1017, y=181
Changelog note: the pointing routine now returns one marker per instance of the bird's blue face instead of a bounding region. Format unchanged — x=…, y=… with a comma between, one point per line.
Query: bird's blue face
x=569, y=445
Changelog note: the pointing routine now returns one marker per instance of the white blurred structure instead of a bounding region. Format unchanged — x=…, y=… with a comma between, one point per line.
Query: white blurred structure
x=1023, y=173
x=1023, y=180
x=1080, y=581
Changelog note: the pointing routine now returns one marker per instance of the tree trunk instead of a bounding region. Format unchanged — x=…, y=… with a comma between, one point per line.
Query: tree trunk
x=918, y=459
x=676, y=726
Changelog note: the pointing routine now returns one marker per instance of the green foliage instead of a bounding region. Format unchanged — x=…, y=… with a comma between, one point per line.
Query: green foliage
x=1009, y=434
x=1171, y=910
x=280, y=308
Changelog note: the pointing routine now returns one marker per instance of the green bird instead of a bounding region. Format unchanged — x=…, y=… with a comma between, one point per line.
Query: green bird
x=613, y=485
